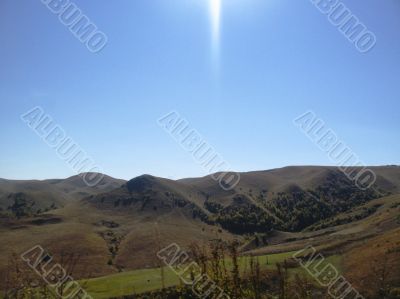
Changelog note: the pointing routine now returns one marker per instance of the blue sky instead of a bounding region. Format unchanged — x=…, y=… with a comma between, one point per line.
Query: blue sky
x=277, y=59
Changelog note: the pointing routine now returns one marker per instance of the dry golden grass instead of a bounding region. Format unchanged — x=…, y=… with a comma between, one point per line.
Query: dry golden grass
x=375, y=264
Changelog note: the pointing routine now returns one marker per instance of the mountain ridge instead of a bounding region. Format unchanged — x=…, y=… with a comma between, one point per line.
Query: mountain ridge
x=119, y=225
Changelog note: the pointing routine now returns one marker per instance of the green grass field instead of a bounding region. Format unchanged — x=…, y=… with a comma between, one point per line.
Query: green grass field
x=139, y=281
x=144, y=280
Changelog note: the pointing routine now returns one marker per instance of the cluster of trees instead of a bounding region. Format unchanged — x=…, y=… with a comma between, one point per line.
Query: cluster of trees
x=245, y=219
x=23, y=206
x=298, y=210
x=213, y=207
x=363, y=213
x=197, y=213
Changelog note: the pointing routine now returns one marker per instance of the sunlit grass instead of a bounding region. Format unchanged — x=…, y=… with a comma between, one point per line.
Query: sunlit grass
x=139, y=281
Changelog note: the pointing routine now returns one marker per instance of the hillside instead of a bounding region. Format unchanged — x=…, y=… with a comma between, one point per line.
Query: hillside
x=26, y=198
x=119, y=225
x=290, y=198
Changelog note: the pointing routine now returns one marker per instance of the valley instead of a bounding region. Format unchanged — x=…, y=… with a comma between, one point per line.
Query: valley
x=114, y=230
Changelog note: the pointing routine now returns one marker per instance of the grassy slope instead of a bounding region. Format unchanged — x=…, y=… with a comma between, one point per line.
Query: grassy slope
x=43, y=194
x=139, y=281
x=136, y=281
x=150, y=279
x=339, y=238
x=79, y=232
x=364, y=264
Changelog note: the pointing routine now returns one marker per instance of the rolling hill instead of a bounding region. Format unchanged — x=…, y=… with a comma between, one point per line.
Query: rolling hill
x=23, y=198
x=120, y=225
x=290, y=198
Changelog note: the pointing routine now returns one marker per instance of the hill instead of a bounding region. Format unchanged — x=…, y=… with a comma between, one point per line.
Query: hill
x=120, y=225
x=33, y=197
x=290, y=198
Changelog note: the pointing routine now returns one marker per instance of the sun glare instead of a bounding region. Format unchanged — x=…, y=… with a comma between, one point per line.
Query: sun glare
x=215, y=6
x=215, y=15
